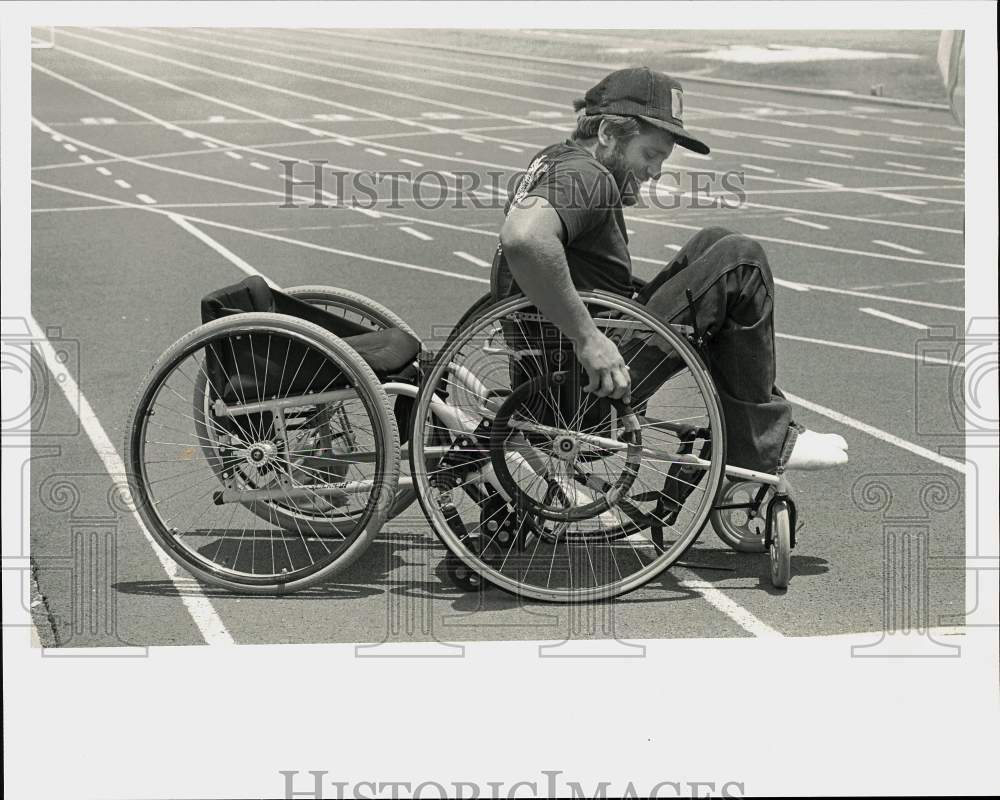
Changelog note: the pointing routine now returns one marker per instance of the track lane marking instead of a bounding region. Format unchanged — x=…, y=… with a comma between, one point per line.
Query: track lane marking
x=806, y=223
x=901, y=248
x=198, y=606
x=873, y=350
x=415, y=233
x=472, y=259
x=909, y=323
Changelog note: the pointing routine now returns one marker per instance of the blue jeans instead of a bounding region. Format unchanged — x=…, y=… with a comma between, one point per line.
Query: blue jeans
x=733, y=296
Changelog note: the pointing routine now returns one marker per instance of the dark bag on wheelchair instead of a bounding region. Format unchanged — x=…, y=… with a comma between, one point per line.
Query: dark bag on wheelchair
x=250, y=372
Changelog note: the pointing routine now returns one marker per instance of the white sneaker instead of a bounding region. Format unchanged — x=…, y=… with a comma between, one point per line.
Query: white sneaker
x=814, y=451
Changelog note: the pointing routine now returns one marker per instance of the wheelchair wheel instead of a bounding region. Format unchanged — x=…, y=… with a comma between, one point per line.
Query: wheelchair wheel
x=742, y=528
x=352, y=306
x=781, y=545
x=551, y=493
x=288, y=466
x=364, y=311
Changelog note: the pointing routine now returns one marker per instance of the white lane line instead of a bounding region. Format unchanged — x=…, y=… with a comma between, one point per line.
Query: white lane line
x=512, y=148
x=835, y=154
x=715, y=597
x=912, y=283
x=879, y=434
x=852, y=293
x=122, y=183
x=207, y=143
x=472, y=259
x=69, y=147
x=221, y=249
x=913, y=201
x=258, y=165
x=86, y=159
x=236, y=156
x=367, y=212
x=821, y=182
x=216, y=118
x=921, y=359
x=773, y=143
x=892, y=245
x=758, y=169
x=795, y=287
x=904, y=166
x=374, y=152
x=418, y=234
x=104, y=170
x=807, y=245
x=410, y=162
x=673, y=246
x=145, y=198
x=209, y=624
x=892, y=318
x=807, y=223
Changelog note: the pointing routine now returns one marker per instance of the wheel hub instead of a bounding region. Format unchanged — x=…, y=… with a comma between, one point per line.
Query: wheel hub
x=261, y=454
x=565, y=447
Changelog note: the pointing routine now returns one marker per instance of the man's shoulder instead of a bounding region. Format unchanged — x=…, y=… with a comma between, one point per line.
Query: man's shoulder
x=566, y=164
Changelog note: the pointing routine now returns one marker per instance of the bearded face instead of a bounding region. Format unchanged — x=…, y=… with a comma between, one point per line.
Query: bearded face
x=613, y=158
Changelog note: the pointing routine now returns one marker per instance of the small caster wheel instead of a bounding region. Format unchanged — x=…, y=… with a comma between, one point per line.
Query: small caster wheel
x=781, y=545
x=466, y=579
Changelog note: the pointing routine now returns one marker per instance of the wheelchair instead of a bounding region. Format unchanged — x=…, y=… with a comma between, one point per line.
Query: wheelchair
x=266, y=448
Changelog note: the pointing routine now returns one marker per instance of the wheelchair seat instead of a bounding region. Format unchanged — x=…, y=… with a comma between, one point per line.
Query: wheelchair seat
x=387, y=352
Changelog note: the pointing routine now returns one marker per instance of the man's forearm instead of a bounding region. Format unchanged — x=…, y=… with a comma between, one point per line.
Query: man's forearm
x=542, y=273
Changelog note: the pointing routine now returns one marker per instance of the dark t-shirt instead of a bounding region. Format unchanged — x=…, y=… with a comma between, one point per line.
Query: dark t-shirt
x=586, y=198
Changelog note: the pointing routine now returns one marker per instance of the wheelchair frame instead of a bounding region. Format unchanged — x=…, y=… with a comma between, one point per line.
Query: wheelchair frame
x=779, y=517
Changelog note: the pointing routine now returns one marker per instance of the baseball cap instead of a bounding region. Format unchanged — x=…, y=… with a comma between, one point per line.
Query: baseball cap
x=651, y=96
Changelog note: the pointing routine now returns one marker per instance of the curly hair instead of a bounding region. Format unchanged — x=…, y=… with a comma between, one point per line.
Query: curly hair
x=618, y=126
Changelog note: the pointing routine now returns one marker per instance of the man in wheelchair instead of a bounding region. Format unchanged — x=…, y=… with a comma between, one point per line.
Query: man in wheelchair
x=565, y=232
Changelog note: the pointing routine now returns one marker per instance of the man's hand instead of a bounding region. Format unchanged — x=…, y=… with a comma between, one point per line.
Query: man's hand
x=605, y=367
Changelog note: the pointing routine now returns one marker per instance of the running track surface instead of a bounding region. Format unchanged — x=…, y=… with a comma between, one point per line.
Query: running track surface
x=156, y=165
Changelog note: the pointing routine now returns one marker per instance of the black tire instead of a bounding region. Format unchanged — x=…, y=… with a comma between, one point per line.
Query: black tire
x=478, y=552
x=781, y=544
x=209, y=527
